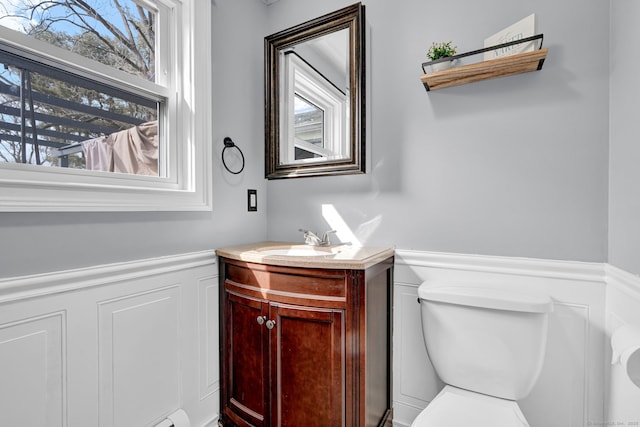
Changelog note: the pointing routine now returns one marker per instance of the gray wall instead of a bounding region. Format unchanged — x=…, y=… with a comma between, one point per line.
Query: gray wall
x=624, y=161
x=41, y=242
x=514, y=166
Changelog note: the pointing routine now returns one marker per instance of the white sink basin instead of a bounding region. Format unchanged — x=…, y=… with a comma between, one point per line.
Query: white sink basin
x=300, y=251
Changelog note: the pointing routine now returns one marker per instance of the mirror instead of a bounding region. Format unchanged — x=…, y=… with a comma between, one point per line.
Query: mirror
x=314, y=97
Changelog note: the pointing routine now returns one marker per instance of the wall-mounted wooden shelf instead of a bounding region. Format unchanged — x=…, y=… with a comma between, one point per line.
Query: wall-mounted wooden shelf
x=500, y=67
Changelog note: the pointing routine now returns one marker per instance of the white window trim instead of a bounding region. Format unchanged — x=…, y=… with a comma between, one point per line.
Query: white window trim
x=304, y=80
x=187, y=184
x=312, y=148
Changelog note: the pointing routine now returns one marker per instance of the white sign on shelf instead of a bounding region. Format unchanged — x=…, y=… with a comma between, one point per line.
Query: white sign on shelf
x=520, y=30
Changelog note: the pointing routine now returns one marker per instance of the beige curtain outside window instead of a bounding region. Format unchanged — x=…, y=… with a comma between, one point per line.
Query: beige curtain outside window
x=133, y=151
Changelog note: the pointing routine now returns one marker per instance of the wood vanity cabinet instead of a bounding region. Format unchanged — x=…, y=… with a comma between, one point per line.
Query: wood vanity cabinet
x=304, y=347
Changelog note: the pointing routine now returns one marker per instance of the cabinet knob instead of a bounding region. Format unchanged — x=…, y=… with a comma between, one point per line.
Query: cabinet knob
x=261, y=320
x=271, y=324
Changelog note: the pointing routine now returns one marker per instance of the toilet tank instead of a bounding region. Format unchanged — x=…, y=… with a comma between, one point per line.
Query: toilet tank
x=490, y=340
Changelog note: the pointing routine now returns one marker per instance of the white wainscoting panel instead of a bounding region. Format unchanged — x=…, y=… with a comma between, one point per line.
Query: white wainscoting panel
x=569, y=392
x=139, y=357
x=209, y=336
x=560, y=397
x=110, y=346
x=415, y=381
x=32, y=372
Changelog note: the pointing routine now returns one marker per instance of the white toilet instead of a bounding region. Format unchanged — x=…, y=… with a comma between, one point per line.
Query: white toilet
x=487, y=344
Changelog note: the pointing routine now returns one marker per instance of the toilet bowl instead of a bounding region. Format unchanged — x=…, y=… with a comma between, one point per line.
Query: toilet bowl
x=457, y=407
x=487, y=344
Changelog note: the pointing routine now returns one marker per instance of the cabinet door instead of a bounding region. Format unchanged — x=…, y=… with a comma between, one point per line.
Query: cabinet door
x=307, y=365
x=247, y=358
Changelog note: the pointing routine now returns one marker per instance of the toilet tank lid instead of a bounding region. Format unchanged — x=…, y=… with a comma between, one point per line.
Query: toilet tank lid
x=497, y=299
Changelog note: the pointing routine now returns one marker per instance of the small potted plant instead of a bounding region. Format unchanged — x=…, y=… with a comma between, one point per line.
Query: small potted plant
x=441, y=50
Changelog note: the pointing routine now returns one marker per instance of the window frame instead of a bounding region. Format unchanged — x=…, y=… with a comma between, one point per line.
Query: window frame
x=185, y=168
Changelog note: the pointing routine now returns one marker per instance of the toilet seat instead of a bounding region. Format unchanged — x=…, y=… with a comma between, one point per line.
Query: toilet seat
x=455, y=407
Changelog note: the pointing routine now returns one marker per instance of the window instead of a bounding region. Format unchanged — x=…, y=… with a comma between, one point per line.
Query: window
x=98, y=107
x=52, y=118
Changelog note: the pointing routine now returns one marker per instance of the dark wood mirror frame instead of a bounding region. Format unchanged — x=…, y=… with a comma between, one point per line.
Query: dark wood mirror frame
x=353, y=19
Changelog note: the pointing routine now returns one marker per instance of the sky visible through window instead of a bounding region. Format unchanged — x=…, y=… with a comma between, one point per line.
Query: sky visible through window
x=21, y=15
x=118, y=33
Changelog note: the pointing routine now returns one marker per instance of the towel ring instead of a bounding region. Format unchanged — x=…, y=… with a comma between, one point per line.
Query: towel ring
x=228, y=143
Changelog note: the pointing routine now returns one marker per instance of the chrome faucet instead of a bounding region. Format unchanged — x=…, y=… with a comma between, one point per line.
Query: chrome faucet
x=311, y=238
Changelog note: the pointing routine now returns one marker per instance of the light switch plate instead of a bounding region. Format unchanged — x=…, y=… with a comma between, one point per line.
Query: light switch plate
x=252, y=200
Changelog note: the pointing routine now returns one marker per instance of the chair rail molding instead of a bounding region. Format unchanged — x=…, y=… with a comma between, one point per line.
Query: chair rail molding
x=16, y=288
x=623, y=281
x=534, y=267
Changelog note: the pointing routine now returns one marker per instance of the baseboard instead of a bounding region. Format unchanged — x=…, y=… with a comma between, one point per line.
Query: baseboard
x=403, y=412
x=212, y=422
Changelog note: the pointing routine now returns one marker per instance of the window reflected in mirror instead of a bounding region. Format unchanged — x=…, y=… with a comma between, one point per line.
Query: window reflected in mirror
x=308, y=129
x=316, y=101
